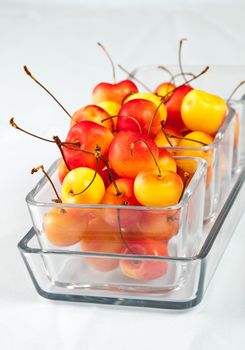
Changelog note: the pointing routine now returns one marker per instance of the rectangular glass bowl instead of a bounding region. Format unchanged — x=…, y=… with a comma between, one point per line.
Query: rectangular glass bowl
x=227, y=151
x=153, y=242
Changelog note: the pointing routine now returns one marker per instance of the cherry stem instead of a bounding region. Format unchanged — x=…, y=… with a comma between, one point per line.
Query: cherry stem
x=164, y=98
x=92, y=180
x=77, y=149
x=120, y=231
x=14, y=125
x=59, y=144
x=45, y=89
x=112, y=179
x=110, y=59
x=186, y=138
x=180, y=61
x=41, y=167
x=134, y=78
x=188, y=81
x=186, y=176
x=169, y=72
x=154, y=158
x=236, y=88
x=166, y=134
x=181, y=74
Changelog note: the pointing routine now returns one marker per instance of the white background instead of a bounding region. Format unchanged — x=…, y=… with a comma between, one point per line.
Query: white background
x=57, y=40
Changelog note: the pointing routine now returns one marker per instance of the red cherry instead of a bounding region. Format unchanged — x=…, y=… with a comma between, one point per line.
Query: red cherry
x=113, y=92
x=88, y=135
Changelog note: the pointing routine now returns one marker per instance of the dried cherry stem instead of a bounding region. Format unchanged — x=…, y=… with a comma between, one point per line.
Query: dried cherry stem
x=164, y=98
x=111, y=61
x=77, y=149
x=168, y=71
x=45, y=89
x=181, y=74
x=123, y=116
x=154, y=158
x=112, y=179
x=14, y=125
x=120, y=232
x=235, y=90
x=186, y=176
x=59, y=145
x=134, y=78
x=186, y=138
x=41, y=167
x=55, y=140
x=187, y=82
x=180, y=60
x=92, y=180
x=165, y=133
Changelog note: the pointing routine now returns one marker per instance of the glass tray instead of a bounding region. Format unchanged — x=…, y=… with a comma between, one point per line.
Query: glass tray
x=197, y=271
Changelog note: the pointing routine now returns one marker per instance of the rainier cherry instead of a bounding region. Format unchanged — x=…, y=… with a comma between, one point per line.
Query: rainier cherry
x=99, y=237
x=141, y=269
x=113, y=92
x=149, y=96
x=82, y=185
x=88, y=135
x=195, y=139
x=127, y=163
x=159, y=224
x=93, y=113
x=139, y=114
x=202, y=111
x=120, y=192
x=64, y=227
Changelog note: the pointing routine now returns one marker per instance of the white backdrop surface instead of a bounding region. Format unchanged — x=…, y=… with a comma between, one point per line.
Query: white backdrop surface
x=57, y=40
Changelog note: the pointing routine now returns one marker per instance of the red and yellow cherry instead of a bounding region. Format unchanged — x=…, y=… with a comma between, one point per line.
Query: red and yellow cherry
x=120, y=192
x=166, y=141
x=139, y=115
x=127, y=163
x=113, y=92
x=164, y=89
x=141, y=269
x=149, y=96
x=201, y=139
x=173, y=106
x=112, y=108
x=152, y=188
x=62, y=170
x=88, y=135
x=166, y=160
x=82, y=186
x=159, y=225
x=94, y=114
x=202, y=111
x=99, y=237
x=65, y=227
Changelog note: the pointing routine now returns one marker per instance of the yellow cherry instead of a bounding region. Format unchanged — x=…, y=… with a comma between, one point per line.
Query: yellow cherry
x=153, y=189
x=111, y=108
x=202, y=111
x=202, y=139
x=82, y=186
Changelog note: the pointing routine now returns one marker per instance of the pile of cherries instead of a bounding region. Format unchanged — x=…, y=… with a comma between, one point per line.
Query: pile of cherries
x=114, y=156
